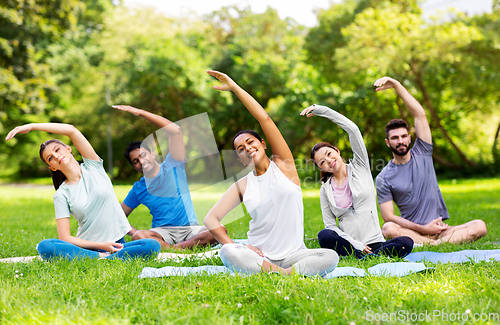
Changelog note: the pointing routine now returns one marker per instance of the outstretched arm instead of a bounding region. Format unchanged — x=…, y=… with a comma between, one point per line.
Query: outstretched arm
x=175, y=139
x=281, y=152
x=79, y=141
x=422, y=128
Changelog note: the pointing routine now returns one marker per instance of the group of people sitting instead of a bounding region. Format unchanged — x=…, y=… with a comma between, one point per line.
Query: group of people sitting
x=271, y=193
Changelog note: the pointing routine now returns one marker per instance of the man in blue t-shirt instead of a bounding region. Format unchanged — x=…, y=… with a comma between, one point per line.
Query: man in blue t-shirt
x=409, y=180
x=164, y=189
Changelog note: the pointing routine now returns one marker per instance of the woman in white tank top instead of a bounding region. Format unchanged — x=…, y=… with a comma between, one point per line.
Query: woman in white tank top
x=273, y=197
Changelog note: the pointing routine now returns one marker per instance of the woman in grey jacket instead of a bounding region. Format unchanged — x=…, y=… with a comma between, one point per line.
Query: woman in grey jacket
x=348, y=194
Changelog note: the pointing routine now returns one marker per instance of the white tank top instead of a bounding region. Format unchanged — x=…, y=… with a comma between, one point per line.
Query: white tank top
x=275, y=204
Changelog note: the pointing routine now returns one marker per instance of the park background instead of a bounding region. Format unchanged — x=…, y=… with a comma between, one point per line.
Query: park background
x=69, y=61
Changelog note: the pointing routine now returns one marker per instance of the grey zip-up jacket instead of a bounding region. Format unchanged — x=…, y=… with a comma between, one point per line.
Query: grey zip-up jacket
x=359, y=224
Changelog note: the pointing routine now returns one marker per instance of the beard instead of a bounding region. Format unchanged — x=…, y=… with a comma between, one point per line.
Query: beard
x=400, y=150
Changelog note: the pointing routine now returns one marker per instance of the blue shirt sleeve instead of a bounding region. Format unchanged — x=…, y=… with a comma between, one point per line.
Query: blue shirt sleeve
x=171, y=162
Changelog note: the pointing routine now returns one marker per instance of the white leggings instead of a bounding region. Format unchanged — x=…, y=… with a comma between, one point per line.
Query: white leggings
x=310, y=262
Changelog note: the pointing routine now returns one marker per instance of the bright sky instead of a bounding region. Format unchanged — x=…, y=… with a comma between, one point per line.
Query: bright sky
x=300, y=10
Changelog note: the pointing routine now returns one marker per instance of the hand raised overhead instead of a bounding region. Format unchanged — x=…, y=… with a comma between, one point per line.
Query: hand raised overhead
x=23, y=129
x=385, y=83
x=309, y=111
x=226, y=82
x=127, y=108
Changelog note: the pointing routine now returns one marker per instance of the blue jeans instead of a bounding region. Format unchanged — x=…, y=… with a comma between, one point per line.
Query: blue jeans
x=52, y=248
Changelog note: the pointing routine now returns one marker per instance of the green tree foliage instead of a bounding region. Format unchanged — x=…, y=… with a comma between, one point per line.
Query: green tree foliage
x=484, y=58
x=259, y=51
x=322, y=41
x=148, y=65
x=28, y=83
x=70, y=60
x=159, y=64
x=433, y=60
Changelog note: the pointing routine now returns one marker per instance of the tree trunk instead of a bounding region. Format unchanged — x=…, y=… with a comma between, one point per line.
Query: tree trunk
x=436, y=118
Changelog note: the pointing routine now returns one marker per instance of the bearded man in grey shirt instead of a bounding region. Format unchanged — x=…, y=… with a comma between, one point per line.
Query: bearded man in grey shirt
x=409, y=180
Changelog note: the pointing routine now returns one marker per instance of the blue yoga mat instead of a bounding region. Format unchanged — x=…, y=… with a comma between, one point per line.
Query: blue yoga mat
x=152, y=272
x=384, y=269
x=455, y=257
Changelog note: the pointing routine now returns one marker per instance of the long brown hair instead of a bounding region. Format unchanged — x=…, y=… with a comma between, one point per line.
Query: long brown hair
x=57, y=176
x=324, y=175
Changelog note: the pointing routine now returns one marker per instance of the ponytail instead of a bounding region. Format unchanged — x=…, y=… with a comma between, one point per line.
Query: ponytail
x=57, y=178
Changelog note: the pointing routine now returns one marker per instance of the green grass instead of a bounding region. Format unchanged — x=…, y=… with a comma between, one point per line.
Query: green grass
x=109, y=292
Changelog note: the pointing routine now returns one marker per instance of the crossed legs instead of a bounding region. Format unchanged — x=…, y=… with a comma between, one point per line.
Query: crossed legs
x=53, y=248
x=467, y=232
x=304, y=261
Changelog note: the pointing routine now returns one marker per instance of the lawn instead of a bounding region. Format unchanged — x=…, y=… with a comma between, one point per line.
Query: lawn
x=109, y=292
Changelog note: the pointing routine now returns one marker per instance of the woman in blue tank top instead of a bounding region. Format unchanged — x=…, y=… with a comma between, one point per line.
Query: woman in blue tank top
x=272, y=195
x=84, y=191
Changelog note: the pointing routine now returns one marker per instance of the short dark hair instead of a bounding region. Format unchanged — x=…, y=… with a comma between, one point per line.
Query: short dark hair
x=395, y=124
x=317, y=146
x=57, y=176
x=251, y=132
x=132, y=146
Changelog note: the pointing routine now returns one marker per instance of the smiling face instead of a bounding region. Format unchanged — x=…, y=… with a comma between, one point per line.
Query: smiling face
x=144, y=162
x=249, y=149
x=328, y=159
x=57, y=155
x=399, y=141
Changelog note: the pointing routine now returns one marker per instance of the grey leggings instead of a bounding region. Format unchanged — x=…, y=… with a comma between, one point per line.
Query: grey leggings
x=311, y=262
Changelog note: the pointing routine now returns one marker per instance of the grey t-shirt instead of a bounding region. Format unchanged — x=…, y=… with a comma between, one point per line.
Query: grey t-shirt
x=413, y=186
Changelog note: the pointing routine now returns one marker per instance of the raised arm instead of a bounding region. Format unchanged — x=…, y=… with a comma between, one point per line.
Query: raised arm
x=175, y=139
x=282, y=155
x=76, y=137
x=422, y=128
x=231, y=199
x=355, y=137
